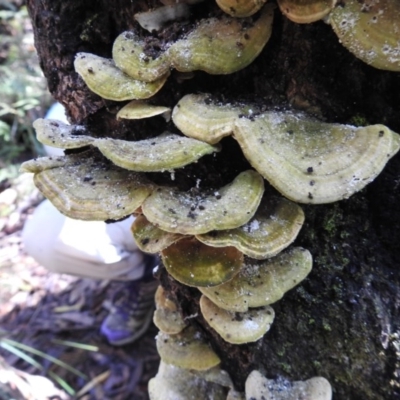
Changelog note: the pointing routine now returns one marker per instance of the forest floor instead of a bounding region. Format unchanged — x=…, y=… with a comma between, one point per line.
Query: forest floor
x=45, y=311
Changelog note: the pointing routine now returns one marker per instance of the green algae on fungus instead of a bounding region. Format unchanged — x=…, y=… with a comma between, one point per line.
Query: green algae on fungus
x=274, y=226
x=370, y=29
x=195, y=264
x=151, y=239
x=235, y=327
x=183, y=212
x=260, y=283
x=259, y=387
x=128, y=55
x=167, y=317
x=200, y=117
x=222, y=46
x=165, y=152
x=58, y=134
x=306, y=11
x=240, y=8
x=75, y=183
x=174, y=383
x=109, y=82
x=314, y=162
x=186, y=349
x=137, y=109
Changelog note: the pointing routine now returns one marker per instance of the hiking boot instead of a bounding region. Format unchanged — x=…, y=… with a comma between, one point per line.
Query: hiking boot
x=132, y=309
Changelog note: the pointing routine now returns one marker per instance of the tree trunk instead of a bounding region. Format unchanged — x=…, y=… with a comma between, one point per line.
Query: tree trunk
x=342, y=322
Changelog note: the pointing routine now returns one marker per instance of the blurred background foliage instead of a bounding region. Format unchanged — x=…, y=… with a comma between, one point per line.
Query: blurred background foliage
x=23, y=89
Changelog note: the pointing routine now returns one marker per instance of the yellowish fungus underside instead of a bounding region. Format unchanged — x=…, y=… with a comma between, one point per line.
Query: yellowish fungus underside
x=240, y=8
x=195, y=264
x=137, y=109
x=260, y=283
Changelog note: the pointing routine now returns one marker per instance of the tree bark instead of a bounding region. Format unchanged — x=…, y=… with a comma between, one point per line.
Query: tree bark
x=342, y=322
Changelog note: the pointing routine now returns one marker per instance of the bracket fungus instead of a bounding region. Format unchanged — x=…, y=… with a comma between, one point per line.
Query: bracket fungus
x=260, y=283
x=200, y=117
x=151, y=239
x=222, y=46
x=58, y=134
x=226, y=208
x=274, y=226
x=129, y=56
x=370, y=29
x=75, y=183
x=109, y=82
x=186, y=349
x=165, y=152
x=258, y=387
x=306, y=11
x=235, y=327
x=174, y=383
x=166, y=316
x=195, y=264
x=310, y=161
x=240, y=8
x=137, y=109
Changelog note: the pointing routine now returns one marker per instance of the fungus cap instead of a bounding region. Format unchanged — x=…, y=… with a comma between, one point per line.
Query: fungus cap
x=306, y=11
x=195, y=264
x=58, y=134
x=162, y=153
x=190, y=214
x=151, y=239
x=370, y=30
x=129, y=56
x=235, y=327
x=187, y=350
x=75, y=183
x=259, y=387
x=222, y=46
x=314, y=162
x=109, y=82
x=167, y=317
x=240, y=8
x=200, y=117
x=260, y=283
x=137, y=109
x=174, y=383
x=274, y=226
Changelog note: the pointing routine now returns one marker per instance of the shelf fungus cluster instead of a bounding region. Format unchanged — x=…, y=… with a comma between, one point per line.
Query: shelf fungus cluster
x=215, y=45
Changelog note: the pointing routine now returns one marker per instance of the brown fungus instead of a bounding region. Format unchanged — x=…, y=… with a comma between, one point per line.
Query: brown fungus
x=273, y=227
x=260, y=283
x=195, y=264
x=167, y=317
x=237, y=327
x=314, y=162
x=306, y=11
x=226, y=208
